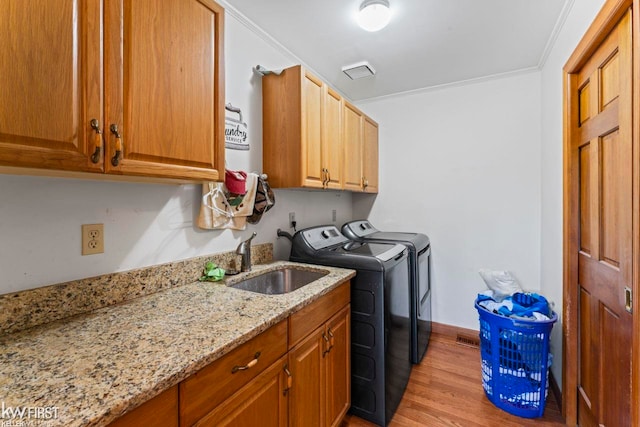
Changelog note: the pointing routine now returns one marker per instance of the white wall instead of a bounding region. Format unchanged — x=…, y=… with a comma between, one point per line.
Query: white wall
x=580, y=17
x=462, y=165
x=147, y=224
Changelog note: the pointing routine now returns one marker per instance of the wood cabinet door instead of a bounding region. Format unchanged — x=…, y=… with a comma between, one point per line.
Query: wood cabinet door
x=51, y=84
x=307, y=394
x=311, y=138
x=165, y=88
x=352, y=148
x=370, y=156
x=262, y=402
x=338, y=359
x=332, y=139
x=600, y=179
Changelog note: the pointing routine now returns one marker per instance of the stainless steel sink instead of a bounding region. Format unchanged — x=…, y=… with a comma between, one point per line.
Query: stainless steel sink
x=281, y=281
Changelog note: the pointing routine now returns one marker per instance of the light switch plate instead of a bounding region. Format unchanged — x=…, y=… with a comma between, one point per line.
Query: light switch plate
x=92, y=239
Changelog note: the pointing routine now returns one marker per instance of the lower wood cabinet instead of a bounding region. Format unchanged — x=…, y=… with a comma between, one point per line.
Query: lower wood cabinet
x=296, y=373
x=162, y=410
x=262, y=402
x=320, y=367
x=203, y=391
x=338, y=367
x=307, y=367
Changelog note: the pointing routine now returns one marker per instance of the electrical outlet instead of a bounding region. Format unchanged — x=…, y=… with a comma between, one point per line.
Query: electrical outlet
x=92, y=239
x=292, y=219
x=333, y=215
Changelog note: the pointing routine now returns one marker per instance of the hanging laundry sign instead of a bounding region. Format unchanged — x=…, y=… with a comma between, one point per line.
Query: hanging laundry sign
x=235, y=130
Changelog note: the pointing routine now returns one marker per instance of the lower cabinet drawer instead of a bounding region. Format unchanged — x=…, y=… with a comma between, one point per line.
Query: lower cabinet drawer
x=206, y=389
x=262, y=402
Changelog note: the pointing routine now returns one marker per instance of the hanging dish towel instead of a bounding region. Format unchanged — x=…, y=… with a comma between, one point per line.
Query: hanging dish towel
x=264, y=200
x=216, y=213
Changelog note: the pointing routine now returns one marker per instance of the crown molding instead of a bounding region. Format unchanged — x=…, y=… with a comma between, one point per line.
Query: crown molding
x=553, y=37
x=458, y=83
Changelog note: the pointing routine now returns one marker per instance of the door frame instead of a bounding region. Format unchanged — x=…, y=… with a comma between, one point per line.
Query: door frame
x=608, y=17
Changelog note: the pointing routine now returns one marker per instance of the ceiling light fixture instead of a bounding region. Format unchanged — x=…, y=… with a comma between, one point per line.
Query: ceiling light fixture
x=374, y=15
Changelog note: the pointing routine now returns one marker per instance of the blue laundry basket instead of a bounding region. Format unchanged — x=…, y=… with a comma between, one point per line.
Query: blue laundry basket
x=515, y=362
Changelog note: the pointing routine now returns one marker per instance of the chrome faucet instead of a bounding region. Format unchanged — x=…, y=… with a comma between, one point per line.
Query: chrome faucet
x=244, y=249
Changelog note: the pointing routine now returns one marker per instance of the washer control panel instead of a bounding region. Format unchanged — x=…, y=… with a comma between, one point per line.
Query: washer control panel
x=324, y=237
x=361, y=228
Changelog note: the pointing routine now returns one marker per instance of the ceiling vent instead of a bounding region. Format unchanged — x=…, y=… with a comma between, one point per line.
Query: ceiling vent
x=359, y=70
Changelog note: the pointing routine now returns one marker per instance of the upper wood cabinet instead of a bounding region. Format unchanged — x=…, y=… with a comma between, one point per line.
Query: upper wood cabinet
x=312, y=100
x=353, y=122
x=360, y=151
x=51, y=85
x=370, y=156
x=313, y=138
x=332, y=139
x=302, y=119
x=136, y=88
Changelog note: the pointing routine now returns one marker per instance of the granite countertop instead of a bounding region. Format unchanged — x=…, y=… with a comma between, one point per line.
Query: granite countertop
x=92, y=368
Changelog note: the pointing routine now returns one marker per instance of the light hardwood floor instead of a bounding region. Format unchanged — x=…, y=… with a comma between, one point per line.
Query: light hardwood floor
x=445, y=389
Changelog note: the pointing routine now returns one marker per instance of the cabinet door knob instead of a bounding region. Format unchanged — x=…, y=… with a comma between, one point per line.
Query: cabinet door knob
x=115, y=160
x=97, y=140
x=328, y=177
x=249, y=365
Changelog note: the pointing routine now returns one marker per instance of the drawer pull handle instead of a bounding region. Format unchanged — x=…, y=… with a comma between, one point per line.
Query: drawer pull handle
x=289, y=380
x=251, y=364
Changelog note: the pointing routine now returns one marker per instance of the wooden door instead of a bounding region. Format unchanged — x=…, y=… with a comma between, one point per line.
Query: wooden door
x=338, y=361
x=332, y=139
x=370, y=156
x=600, y=157
x=262, y=402
x=352, y=148
x=51, y=84
x=307, y=394
x=165, y=88
x=311, y=140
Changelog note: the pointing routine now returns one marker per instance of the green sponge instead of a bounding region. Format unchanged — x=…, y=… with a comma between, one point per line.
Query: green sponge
x=212, y=273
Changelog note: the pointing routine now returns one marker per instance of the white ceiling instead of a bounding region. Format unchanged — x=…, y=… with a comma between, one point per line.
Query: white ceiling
x=428, y=42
